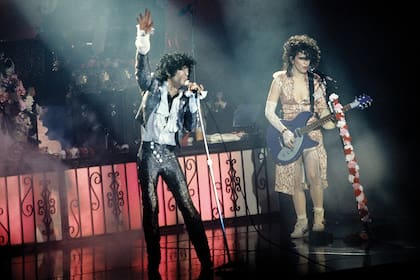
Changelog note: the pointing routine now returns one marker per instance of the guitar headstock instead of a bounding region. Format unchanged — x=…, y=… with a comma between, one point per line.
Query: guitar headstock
x=362, y=101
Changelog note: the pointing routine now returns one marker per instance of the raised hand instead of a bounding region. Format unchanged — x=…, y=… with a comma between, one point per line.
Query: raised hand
x=145, y=22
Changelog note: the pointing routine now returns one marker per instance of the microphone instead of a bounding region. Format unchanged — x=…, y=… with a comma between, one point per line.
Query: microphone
x=196, y=90
x=188, y=83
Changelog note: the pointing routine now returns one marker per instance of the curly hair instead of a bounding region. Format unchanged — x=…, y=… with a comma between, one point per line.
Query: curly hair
x=300, y=43
x=170, y=63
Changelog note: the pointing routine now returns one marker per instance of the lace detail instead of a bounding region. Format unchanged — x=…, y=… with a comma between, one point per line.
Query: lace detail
x=286, y=174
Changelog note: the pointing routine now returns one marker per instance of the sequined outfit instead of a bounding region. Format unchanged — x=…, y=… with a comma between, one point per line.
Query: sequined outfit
x=157, y=157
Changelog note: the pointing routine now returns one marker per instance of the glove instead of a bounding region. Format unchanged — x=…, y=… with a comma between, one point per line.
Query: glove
x=288, y=138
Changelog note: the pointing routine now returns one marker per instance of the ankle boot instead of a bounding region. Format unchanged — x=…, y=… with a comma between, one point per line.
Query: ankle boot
x=319, y=222
x=301, y=228
x=198, y=238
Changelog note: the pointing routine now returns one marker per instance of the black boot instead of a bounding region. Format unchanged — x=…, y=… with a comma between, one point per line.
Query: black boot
x=153, y=256
x=199, y=240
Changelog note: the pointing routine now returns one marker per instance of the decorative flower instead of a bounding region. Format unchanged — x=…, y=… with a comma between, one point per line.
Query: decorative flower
x=16, y=103
x=353, y=167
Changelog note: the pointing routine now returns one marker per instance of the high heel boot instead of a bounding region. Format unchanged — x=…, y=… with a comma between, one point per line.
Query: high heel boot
x=301, y=228
x=319, y=222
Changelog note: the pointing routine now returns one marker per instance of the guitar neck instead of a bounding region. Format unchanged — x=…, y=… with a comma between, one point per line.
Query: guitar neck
x=322, y=121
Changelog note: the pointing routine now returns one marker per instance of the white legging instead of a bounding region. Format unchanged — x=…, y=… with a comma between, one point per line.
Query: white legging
x=311, y=172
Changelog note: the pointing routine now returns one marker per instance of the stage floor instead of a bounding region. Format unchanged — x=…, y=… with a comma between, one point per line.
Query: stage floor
x=257, y=247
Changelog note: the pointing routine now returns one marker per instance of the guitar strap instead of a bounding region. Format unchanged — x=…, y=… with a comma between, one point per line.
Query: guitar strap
x=311, y=90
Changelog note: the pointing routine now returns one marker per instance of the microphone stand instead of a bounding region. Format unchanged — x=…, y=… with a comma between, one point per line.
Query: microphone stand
x=191, y=9
x=210, y=165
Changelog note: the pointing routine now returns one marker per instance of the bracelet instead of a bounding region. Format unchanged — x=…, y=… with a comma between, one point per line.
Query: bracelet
x=284, y=130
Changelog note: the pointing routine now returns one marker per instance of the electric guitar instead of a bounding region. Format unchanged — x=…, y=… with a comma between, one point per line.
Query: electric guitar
x=285, y=155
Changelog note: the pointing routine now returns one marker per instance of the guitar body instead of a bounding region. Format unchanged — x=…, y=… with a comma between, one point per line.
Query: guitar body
x=284, y=155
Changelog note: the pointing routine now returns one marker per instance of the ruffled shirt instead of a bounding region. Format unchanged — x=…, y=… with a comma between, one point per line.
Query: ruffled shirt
x=162, y=124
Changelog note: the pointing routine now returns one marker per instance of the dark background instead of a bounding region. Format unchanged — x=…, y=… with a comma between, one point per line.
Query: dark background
x=367, y=47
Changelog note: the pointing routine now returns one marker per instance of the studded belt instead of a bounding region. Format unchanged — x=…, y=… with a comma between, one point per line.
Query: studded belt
x=160, y=152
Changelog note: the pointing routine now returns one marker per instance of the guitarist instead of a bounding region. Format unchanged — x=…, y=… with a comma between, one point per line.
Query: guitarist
x=295, y=89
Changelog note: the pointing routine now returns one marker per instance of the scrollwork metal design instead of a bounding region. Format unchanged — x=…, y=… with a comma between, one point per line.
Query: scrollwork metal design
x=27, y=210
x=96, y=178
x=3, y=238
x=73, y=231
x=233, y=185
x=260, y=170
x=46, y=208
x=115, y=196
